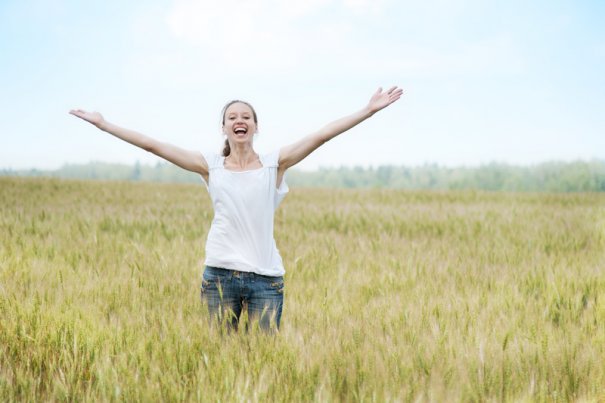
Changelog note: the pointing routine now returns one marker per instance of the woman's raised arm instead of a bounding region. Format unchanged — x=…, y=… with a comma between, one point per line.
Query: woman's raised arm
x=294, y=153
x=186, y=159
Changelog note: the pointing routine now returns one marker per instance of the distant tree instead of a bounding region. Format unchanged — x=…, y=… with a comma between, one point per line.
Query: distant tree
x=554, y=176
x=136, y=171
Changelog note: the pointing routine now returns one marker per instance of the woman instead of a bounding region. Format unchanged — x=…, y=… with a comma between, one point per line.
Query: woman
x=244, y=270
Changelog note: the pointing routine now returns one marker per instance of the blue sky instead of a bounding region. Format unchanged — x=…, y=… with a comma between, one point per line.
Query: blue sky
x=518, y=82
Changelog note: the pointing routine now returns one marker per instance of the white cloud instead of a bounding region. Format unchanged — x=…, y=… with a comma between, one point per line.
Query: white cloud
x=258, y=33
x=196, y=40
x=365, y=6
x=268, y=36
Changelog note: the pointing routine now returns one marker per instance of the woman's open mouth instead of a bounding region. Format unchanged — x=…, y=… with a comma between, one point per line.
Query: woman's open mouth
x=240, y=131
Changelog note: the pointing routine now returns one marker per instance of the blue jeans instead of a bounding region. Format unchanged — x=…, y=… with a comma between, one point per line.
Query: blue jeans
x=229, y=292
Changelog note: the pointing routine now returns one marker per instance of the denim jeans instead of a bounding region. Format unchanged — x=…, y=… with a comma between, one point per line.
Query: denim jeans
x=229, y=292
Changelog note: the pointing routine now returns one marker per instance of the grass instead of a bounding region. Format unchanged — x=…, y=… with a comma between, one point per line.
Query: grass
x=390, y=296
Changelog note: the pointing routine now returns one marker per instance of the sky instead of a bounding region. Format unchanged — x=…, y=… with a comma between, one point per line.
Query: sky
x=518, y=82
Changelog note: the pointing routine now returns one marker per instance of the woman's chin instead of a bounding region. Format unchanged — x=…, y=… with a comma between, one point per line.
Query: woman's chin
x=241, y=140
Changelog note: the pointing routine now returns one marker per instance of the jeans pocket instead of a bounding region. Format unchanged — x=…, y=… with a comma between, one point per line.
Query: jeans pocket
x=278, y=285
x=204, y=285
x=213, y=280
x=214, y=275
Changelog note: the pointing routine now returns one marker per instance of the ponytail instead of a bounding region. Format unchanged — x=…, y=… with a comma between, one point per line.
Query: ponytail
x=226, y=149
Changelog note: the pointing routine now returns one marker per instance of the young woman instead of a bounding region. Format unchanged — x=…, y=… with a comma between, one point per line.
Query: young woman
x=244, y=270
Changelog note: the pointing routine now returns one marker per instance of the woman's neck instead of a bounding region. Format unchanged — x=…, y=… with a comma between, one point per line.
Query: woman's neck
x=242, y=157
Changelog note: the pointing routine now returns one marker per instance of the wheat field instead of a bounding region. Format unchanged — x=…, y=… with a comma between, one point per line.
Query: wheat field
x=390, y=296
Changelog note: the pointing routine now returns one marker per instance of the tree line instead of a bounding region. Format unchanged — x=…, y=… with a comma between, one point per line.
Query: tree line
x=555, y=176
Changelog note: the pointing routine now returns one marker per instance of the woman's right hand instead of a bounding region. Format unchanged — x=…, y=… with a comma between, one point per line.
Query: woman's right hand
x=91, y=117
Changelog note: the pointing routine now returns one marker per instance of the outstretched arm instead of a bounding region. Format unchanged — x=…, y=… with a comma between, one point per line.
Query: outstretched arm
x=294, y=153
x=186, y=159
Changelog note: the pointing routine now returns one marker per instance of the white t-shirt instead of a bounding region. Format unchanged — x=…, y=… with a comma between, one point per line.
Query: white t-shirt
x=241, y=234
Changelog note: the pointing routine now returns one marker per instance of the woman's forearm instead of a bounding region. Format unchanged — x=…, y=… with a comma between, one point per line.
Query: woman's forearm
x=128, y=135
x=343, y=124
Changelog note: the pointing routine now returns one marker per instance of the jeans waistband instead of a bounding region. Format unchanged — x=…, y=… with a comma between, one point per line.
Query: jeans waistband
x=237, y=273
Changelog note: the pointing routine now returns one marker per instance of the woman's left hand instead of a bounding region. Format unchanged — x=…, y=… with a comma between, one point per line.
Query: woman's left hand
x=381, y=100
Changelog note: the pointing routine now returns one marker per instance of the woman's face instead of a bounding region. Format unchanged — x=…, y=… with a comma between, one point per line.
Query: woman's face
x=239, y=124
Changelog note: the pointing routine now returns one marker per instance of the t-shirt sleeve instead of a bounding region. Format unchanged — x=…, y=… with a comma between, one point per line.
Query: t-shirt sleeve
x=281, y=191
x=212, y=159
x=271, y=160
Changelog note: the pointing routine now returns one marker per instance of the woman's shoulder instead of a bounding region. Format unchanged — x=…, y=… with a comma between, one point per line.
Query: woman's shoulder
x=270, y=159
